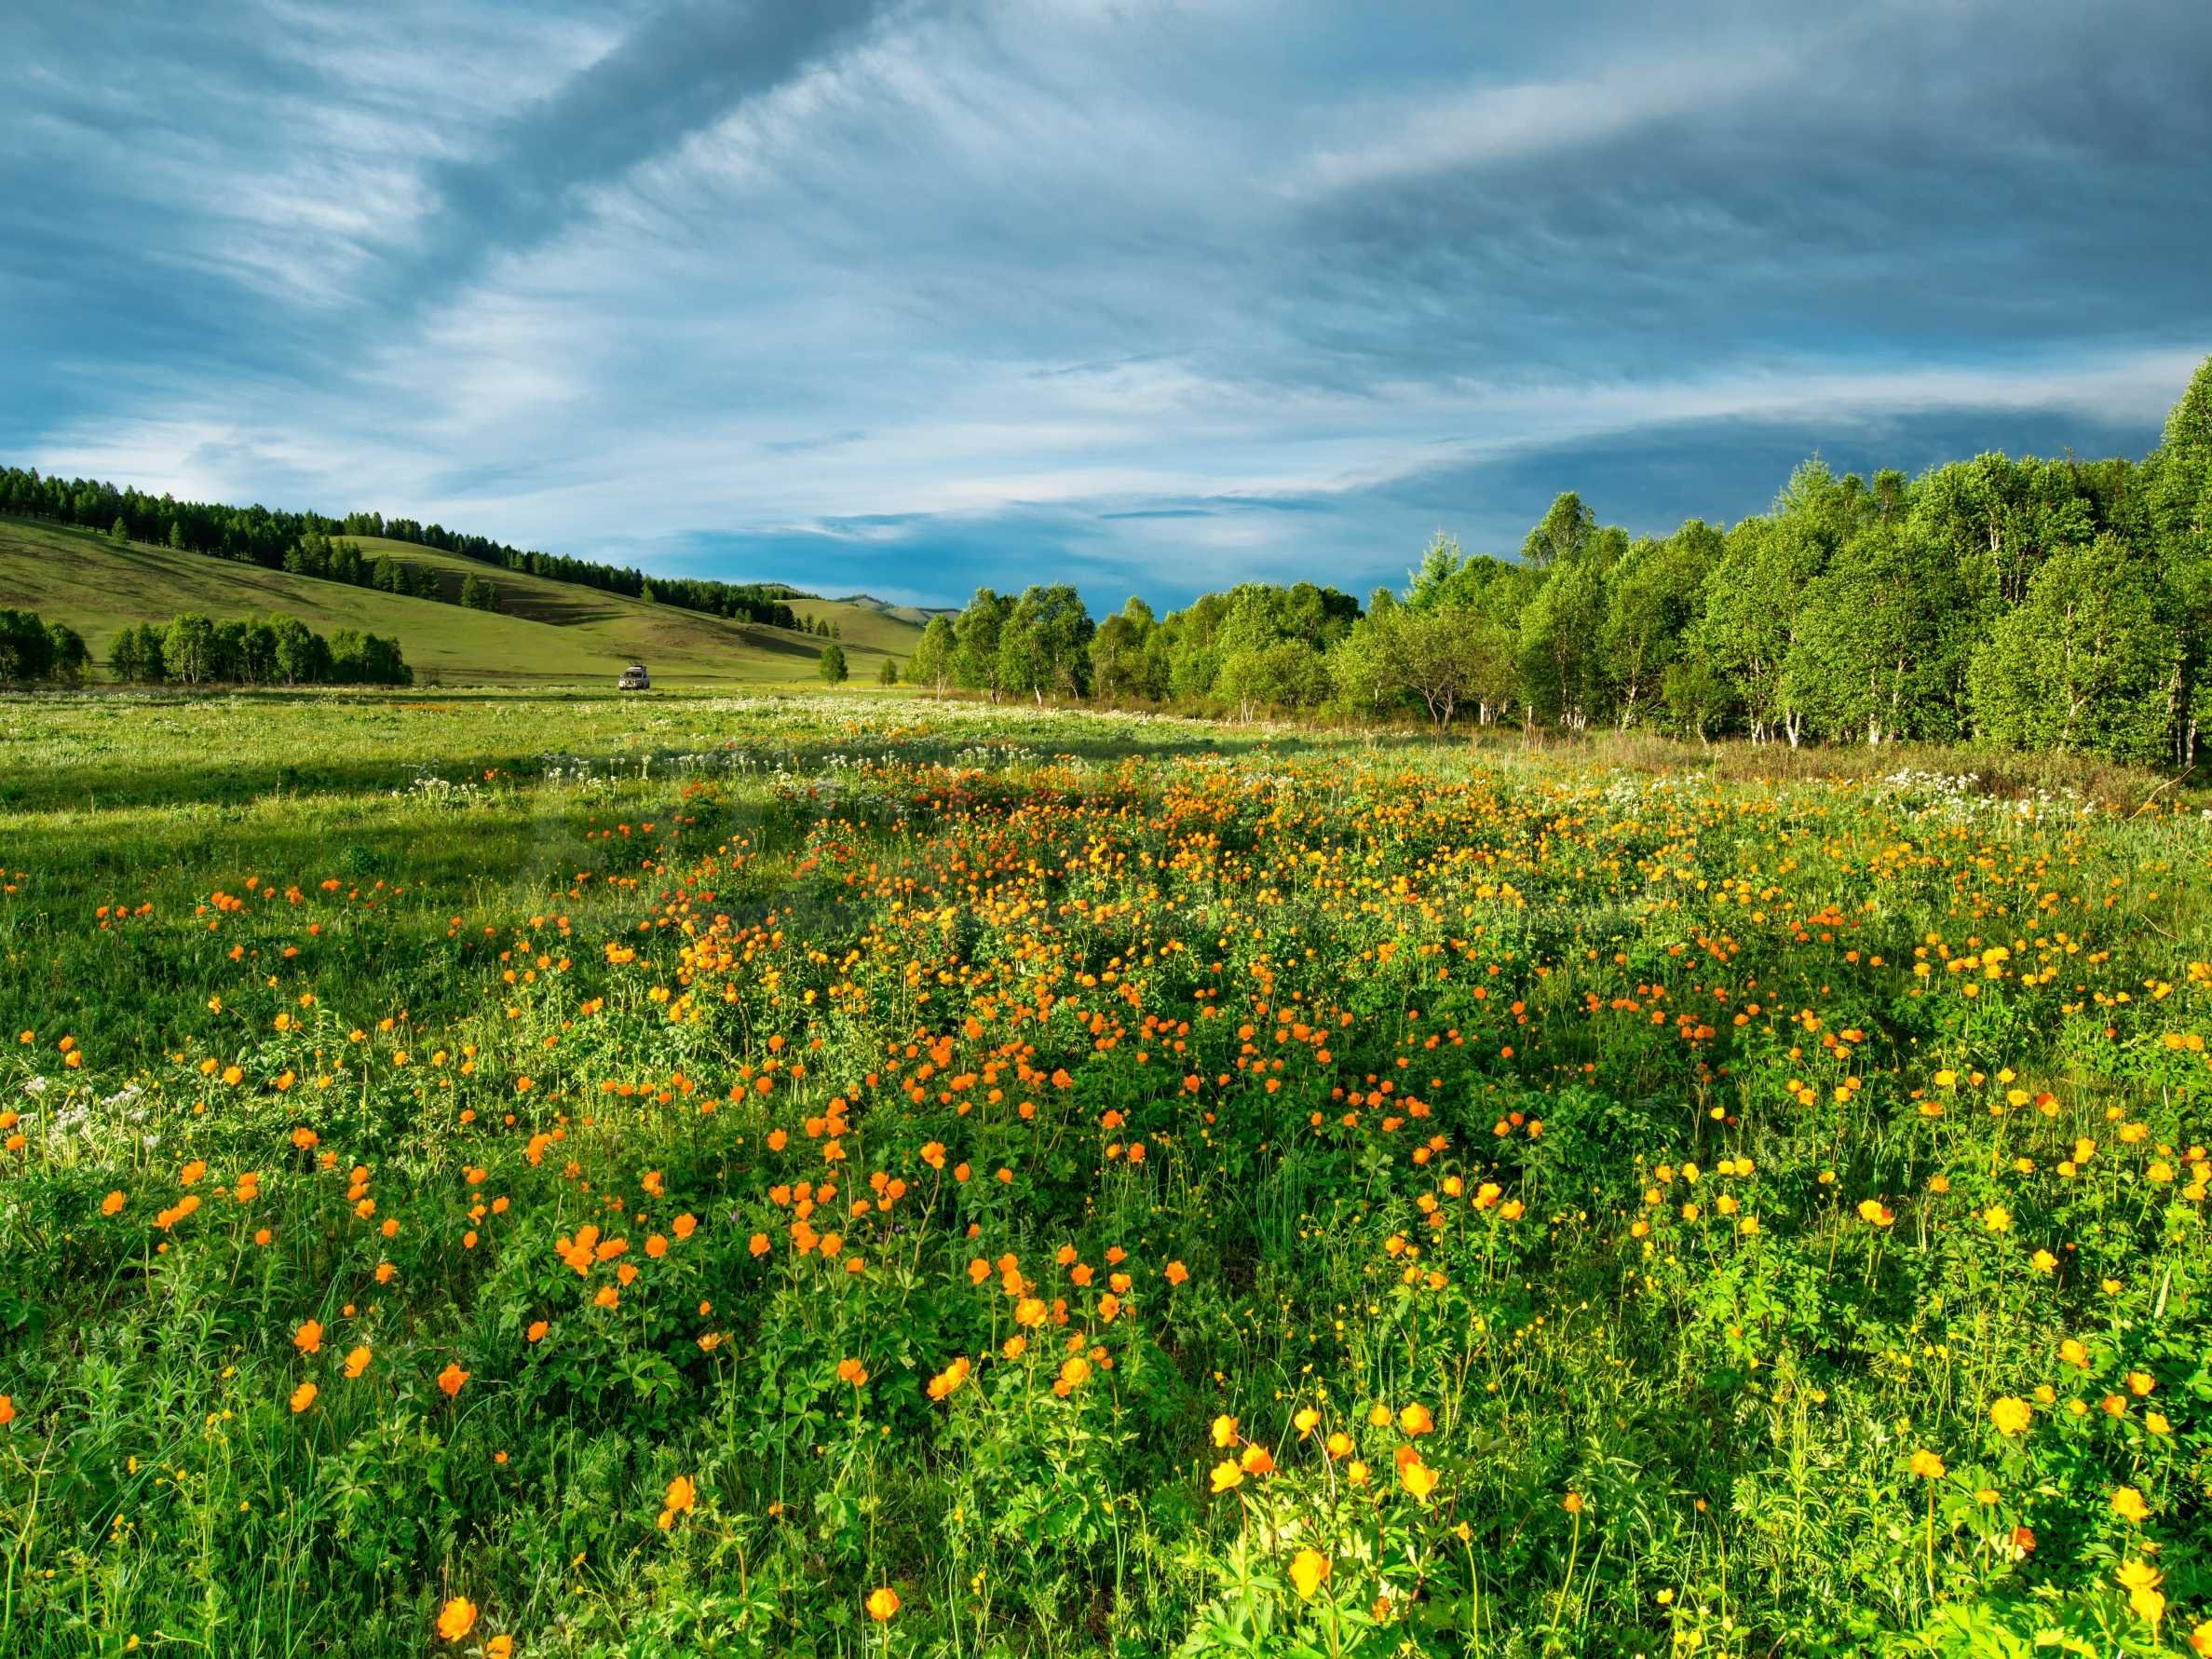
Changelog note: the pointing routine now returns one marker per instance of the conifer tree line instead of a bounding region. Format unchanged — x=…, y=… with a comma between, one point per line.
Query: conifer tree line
x=317, y=553
x=194, y=649
x=2060, y=605
x=271, y=538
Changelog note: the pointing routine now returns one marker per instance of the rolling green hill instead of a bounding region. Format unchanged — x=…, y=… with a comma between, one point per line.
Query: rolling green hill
x=546, y=633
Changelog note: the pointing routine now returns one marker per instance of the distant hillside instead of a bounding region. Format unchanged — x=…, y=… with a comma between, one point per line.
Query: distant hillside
x=918, y=614
x=546, y=632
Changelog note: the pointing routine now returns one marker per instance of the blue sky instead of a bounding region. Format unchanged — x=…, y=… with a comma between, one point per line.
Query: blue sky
x=913, y=296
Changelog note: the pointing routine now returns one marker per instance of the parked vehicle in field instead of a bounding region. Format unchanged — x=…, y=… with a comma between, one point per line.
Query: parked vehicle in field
x=634, y=678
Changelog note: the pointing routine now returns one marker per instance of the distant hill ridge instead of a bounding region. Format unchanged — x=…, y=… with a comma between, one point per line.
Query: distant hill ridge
x=918, y=614
x=262, y=535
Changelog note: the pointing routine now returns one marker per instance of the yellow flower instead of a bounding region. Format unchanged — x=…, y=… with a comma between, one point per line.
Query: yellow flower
x=1418, y=1478
x=1225, y=1432
x=2142, y=1581
x=1227, y=1474
x=2011, y=1416
x=2128, y=1504
x=883, y=1601
x=1927, y=1465
x=1307, y=1569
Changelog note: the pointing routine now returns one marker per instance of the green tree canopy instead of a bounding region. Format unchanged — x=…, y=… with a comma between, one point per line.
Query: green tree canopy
x=2088, y=663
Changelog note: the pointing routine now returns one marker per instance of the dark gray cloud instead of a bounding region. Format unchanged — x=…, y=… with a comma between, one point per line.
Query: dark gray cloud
x=920, y=294
x=680, y=69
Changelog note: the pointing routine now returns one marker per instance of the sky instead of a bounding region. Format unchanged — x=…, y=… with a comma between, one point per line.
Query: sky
x=911, y=295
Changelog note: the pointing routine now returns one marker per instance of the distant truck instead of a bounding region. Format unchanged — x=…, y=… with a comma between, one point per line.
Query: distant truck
x=634, y=678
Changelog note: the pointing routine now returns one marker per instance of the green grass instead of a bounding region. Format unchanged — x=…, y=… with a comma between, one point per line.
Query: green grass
x=1690, y=1136
x=547, y=632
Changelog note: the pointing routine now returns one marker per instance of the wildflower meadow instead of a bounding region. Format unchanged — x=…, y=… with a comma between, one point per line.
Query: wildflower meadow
x=862, y=1176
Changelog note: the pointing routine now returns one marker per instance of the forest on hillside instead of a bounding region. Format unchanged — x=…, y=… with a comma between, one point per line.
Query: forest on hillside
x=310, y=543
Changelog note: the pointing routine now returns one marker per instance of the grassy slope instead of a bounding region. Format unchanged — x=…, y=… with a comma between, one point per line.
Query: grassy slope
x=547, y=631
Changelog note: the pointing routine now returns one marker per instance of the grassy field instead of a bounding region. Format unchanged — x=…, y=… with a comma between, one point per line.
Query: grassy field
x=553, y=1174
x=548, y=632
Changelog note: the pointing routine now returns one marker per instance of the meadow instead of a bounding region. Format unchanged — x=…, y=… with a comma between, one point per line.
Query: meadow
x=542, y=1175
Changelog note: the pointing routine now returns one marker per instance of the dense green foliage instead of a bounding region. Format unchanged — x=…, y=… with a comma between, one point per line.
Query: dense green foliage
x=36, y=652
x=818, y=1177
x=194, y=649
x=2035, y=604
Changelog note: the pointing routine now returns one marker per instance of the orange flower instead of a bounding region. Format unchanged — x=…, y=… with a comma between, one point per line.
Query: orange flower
x=302, y=1398
x=536, y=1331
x=358, y=1361
x=883, y=1601
x=112, y=1202
x=452, y=1379
x=950, y=1379
x=6, y=1409
x=457, y=1619
x=683, y=1497
x=308, y=1338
